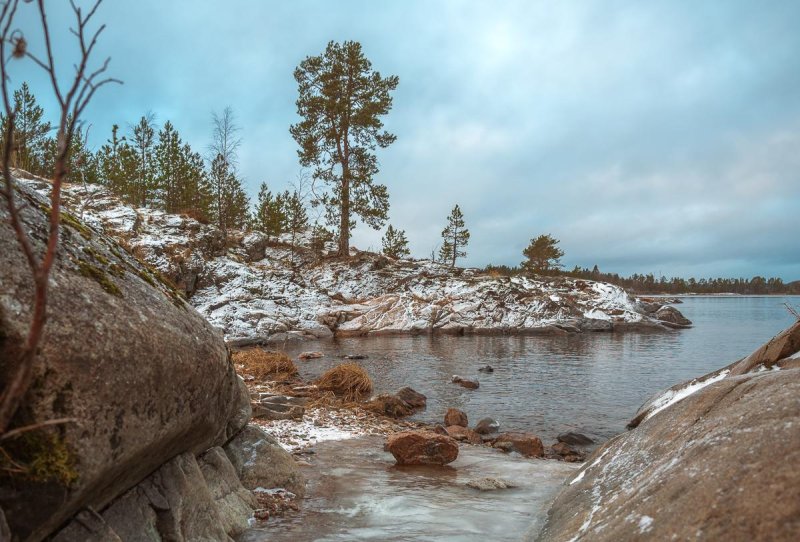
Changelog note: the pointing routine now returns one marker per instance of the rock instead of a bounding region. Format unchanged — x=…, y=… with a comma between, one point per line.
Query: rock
x=672, y=316
x=269, y=406
x=234, y=503
x=356, y=356
x=576, y=439
x=413, y=398
x=462, y=434
x=422, y=447
x=438, y=429
x=721, y=462
x=254, y=245
x=523, y=443
x=404, y=403
x=389, y=405
x=464, y=383
x=310, y=355
x=146, y=377
x=486, y=369
x=565, y=452
x=454, y=416
x=490, y=484
x=259, y=461
x=596, y=325
x=184, y=500
x=487, y=426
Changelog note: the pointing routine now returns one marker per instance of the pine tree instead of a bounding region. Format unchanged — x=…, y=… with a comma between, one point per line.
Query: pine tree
x=230, y=203
x=455, y=238
x=30, y=133
x=116, y=164
x=143, y=143
x=542, y=255
x=341, y=101
x=395, y=244
x=270, y=216
x=296, y=217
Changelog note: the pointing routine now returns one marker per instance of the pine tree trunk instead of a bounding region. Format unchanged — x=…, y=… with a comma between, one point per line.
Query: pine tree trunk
x=344, y=224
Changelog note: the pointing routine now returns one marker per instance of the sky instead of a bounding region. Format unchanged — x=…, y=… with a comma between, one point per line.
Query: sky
x=648, y=137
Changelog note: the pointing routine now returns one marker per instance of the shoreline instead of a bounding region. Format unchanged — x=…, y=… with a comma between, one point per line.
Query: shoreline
x=564, y=329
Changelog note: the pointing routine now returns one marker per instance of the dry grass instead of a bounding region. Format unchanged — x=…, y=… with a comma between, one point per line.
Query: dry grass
x=264, y=365
x=349, y=381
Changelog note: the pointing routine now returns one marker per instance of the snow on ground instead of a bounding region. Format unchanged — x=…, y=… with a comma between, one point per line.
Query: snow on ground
x=259, y=290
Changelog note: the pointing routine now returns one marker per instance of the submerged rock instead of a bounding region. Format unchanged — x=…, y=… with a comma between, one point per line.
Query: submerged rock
x=310, y=355
x=490, y=484
x=486, y=369
x=422, y=447
x=465, y=383
x=454, y=416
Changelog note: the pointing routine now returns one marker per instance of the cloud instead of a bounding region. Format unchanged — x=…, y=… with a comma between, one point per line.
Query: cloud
x=646, y=136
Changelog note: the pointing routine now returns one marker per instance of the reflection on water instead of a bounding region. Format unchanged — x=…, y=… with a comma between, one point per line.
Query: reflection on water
x=357, y=493
x=591, y=383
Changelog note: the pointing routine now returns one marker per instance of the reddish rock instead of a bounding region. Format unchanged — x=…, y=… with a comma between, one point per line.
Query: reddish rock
x=522, y=443
x=462, y=434
x=454, y=416
x=310, y=355
x=389, y=405
x=565, y=452
x=464, y=383
x=412, y=397
x=422, y=448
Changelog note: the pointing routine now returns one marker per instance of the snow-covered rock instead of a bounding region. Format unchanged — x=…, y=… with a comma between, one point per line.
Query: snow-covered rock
x=259, y=290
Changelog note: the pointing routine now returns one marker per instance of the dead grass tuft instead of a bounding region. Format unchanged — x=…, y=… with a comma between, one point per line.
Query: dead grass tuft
x=349, y=381
x=263, y=365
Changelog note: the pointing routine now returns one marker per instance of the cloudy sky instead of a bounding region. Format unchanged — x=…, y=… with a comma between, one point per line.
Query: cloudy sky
x=657, y=137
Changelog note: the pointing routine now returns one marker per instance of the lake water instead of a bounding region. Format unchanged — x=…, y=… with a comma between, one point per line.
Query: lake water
x=591, y=383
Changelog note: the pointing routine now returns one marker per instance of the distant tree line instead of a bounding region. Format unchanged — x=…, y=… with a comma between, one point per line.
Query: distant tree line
x=542, y=257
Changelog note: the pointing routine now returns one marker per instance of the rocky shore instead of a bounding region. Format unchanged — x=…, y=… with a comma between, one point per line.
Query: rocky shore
x=260, y=290
x=152, y=440
x=710, y=459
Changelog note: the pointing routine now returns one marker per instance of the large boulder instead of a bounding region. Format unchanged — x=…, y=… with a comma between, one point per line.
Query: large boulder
x=422, y=447
x=716, y=461
x=259, y=461
x=143, y=375
x=186, y=499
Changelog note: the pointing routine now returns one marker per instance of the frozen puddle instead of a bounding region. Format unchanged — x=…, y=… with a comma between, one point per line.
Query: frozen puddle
x=355, y=492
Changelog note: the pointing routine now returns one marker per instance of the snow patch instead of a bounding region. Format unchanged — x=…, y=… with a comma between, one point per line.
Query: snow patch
x=670, y=397
x=645, y=524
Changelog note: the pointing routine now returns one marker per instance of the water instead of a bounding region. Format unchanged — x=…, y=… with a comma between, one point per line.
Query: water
x=592, y=383
x=356, y=492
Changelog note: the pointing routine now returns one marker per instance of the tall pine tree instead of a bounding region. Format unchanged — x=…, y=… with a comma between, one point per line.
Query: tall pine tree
x=143, y=143
x=455, y=237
